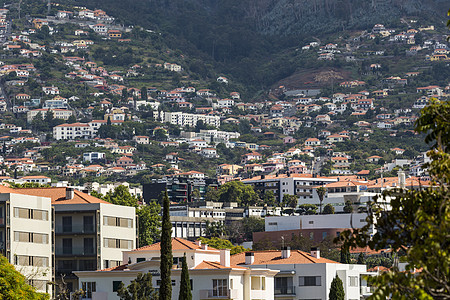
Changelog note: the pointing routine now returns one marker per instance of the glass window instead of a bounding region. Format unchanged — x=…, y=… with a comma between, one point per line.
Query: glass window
x=220, y=287
x=309, y=281
x=88, y=287
x=353, y=281
x=116, y=285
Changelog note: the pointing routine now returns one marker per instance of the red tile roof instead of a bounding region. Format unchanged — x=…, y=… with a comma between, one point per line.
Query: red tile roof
x=274, y=257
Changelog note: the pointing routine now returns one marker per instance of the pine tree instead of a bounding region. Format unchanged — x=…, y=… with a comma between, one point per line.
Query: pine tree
x=345, y=256
x=185, y=286
x=165, y=290
x=337, y=289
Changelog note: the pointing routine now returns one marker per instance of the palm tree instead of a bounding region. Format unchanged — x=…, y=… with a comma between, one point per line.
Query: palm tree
x=321, y=191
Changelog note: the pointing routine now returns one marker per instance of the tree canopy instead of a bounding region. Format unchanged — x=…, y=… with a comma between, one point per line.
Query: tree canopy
x=13, y=285
x=139, y=288
x=236, y=191
x=418, y=222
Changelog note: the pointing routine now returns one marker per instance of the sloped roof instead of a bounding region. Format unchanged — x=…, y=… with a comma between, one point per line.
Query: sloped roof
x=57, y=195
x=177, y=244
x=274, y=257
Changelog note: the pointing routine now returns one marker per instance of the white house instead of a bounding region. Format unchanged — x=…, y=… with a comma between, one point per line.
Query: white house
x=304, y=275
x=211, y=274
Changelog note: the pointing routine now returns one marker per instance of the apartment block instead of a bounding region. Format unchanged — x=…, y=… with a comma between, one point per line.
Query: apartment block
x=27, y=237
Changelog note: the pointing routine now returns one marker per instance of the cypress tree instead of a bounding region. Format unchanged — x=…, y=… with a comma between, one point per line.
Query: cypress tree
x=165, y=290
x=345, y=255
x=337, y=289
x=361, y=259
x=185, y=286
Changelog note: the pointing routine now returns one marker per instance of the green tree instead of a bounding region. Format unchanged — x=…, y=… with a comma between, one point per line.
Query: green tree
x=289, y=201
x=237, y=191
x=321, y=191
x=165, y=289
x=328, y=209
x=361, y=259
x=345, y=255
x=214, y=229
x=348, y=208
x=337, y=289
x=417, y=223
x=149, y=223
x=139, y=288
x=185, y=285
x=144, y=95
x=269, y=199
x=121, y=196
x=307, y=209
x=13, y=285
x=219, y=243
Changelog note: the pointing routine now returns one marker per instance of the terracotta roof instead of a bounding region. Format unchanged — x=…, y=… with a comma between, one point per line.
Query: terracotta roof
x=117, y=268
x=177, y=244
x=379, y=269
x=274, y=257
x=58, y=195
x=212, y=265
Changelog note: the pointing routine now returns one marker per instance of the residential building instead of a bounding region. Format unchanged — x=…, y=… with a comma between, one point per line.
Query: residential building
x=186, y=119
x=211, y=274
x=90, y=233
x=27, y=237
x=94, y=157
x=58, y=113
x=304, y=275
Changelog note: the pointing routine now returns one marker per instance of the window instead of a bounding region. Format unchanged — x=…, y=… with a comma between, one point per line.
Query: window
x=116, y=285
x=309, y=281
x=220, y=287
x=353, y=281
x=273, y=223
x=119, y=222
x=30, y=237
x=139, y=259
x=117, y=243
x=88, y=287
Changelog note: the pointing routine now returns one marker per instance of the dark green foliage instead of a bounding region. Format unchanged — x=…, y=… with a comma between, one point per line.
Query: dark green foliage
x=237, y=191
x=417, y=223
x=345, y=256
x=321, y=191
x=139, y=288
x=348, y=208
x=361, y=259
x=13, y=284
x=165, y=290
x=222, y=244
x=185, y=285
x=337, y=289
x=149, y=223
x=328, y=209
x=289, y=201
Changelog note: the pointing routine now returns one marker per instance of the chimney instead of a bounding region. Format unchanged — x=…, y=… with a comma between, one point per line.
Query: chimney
x=285, y=252
x=225, y=257
x=249, y=258
x=401, y=179
x=315, y=252
x=205, y=247
x=198, y=243
x=69, y=193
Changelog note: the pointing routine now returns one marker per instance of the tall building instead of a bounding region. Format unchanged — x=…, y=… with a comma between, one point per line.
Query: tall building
x=27, y=236
x=90, y=233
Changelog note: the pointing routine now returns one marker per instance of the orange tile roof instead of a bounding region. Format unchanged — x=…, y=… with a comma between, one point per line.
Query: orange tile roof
x=274, y=257
x=58, y=195
x=177, y=244
x=213, y=265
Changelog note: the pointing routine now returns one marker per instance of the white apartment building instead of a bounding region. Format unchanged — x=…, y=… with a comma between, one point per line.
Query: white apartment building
x=303, y=275
x=225, y=103
x=93, y=156
x=73, y=131
x=90, y=233
x=58, y=113
x=186, y=119
x=211, y=274
x=26, y=236
x=279, y=223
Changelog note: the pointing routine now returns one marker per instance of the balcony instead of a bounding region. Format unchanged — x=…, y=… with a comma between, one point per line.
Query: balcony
x=75, y=251
x=284, y=290
x=258, y=294
x=75, y=229
x=218, y=294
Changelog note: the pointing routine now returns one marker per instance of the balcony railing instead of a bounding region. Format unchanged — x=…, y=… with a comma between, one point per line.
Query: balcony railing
x=219, y=294
x=75, y=229
x=284, y=290
x=75, y=251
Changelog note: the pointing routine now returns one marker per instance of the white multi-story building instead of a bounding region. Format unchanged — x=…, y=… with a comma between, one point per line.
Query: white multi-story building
x=211, y=274
x=303, y=275
x=93, y=156
x=280, y=223
x=90, y=233
x=58, y=113
x=73, y=131
x=26, y=236
x=185, y=119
